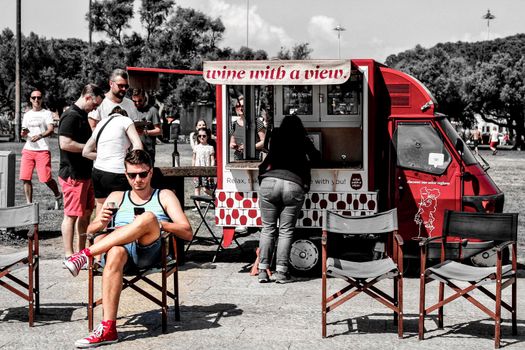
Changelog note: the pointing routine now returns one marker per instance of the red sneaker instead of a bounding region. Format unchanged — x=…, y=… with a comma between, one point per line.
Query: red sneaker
x=105, y=333
x=75, y=262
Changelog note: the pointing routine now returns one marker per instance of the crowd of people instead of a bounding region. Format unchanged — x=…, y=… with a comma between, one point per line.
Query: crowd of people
x=107, y=153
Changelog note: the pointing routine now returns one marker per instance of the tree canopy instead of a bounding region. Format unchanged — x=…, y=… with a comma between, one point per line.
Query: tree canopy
x=483, y=78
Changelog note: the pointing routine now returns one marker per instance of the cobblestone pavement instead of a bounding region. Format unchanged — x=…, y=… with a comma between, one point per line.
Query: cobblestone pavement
x=222, y=306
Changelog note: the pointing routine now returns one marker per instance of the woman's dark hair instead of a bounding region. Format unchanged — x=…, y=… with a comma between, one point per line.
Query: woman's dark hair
x=137, y=157
x=200, y=120
x=293, y=128
x=119, y=110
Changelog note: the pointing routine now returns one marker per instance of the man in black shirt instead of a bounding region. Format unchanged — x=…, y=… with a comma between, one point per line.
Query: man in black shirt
x=149, y=115
x=75, y=171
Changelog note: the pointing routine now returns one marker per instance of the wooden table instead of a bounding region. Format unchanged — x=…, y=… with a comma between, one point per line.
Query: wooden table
x=173, y=179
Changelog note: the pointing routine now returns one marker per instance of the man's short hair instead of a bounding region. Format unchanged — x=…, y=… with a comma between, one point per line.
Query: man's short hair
x=33, y=90
x=118, y=73
x=139, y=92
x=137, y=157
x=93, y=90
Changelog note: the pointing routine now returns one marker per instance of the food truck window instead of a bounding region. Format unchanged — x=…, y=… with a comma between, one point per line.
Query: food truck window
x=298, y=99
x=250, y=116
x=343, y=99
x=419, y=147
x=466, y=154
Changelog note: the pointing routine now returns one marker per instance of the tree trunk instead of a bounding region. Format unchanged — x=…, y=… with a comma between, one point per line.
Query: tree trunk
x=520, y=132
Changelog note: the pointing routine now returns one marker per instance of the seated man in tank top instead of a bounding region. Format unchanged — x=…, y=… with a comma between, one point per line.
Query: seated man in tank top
x=135, y=241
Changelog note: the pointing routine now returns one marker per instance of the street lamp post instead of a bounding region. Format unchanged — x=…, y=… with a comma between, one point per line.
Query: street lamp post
x=247, y=22
x=339, y=29
x=488, y=16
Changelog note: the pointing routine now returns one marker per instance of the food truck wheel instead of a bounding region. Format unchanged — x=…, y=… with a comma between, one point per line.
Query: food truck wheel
x=305, y=257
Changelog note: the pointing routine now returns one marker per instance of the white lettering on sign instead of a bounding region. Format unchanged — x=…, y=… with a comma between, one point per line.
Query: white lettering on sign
x=419, y=182
x=312, y=72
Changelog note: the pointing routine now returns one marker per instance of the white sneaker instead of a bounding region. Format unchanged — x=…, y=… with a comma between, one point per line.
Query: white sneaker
x=59, y=202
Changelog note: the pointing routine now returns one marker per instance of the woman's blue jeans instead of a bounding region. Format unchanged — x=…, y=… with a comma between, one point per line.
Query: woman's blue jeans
x=280, y=202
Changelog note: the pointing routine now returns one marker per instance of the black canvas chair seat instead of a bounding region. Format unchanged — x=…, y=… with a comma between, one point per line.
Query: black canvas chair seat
x=16, y=217
x=167, y=267
x=452, y=270
x=14, y=260
x=361, y=277
x=499, y=228
x=157, y=268
x=368, y=269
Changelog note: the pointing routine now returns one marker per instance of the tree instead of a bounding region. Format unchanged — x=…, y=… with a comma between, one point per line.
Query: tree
x=496, y=91
x=7, y=71
x=111, y=17
x=153, y=14
x=299, y=51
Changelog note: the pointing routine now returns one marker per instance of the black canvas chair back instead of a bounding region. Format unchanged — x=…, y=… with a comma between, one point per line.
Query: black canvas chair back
x=502, y=229
x=16, y=217
x=498, y=227
x=362, y=276
x=140, y=281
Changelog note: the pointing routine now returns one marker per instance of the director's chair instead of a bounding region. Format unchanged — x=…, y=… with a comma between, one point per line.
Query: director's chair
x=500, y=228
x=362, y=276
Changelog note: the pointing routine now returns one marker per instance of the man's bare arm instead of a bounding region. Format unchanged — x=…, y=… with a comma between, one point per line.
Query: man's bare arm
x=180, y=225
x=69, y=145
x=90, y=150
x=101, y=220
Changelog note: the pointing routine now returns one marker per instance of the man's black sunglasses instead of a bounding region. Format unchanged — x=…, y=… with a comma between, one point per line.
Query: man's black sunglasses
x=142, y=175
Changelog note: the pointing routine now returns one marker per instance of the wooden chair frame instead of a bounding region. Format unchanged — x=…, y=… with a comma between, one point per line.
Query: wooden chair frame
x=469, y=223
x=357, y=286
x=16, y=217
x=167, y=267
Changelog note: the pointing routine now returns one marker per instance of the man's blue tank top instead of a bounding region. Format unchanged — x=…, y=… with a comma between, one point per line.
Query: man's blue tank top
x=126, y=213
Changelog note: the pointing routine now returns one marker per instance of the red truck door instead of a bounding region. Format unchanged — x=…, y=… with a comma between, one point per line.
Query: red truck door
x=427, y=178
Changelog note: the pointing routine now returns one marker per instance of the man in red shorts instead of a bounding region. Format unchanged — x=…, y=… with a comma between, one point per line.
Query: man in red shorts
x=37, y=125
x=75, y=171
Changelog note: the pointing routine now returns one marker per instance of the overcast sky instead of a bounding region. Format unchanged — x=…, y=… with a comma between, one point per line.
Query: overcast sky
x=374, y=28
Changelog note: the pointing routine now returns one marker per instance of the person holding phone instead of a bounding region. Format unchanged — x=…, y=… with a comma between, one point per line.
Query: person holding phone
x=37, y=126
x=135, y=242
x=148, y=122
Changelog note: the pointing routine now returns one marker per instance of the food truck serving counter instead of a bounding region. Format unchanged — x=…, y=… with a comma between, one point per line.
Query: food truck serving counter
x=383, y=145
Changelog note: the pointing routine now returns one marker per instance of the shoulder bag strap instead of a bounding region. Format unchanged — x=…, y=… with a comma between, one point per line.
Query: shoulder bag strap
x=102, y=128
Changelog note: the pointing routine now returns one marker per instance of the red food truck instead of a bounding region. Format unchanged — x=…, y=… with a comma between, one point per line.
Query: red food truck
x=383, y=145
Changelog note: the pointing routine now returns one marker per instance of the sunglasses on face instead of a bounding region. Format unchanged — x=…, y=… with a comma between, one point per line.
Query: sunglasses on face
x=36, y=98
x=122, y=86
x=202, y=136
x=142, y=175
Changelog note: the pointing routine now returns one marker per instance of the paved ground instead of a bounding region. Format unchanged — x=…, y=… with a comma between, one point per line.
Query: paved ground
x=222, y=306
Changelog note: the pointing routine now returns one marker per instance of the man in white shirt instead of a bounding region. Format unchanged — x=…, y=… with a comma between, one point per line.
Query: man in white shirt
x=118, y=87
x=37, y=125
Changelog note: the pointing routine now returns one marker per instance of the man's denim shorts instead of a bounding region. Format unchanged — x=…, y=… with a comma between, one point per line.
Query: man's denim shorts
x=140, y=256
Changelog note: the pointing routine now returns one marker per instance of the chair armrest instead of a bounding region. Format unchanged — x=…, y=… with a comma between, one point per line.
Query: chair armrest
x=399, y=239
x=504, y=245
x=426, y=241
x=91, y=236
x=169, y=236
x=31, y=232
x=165, y=234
